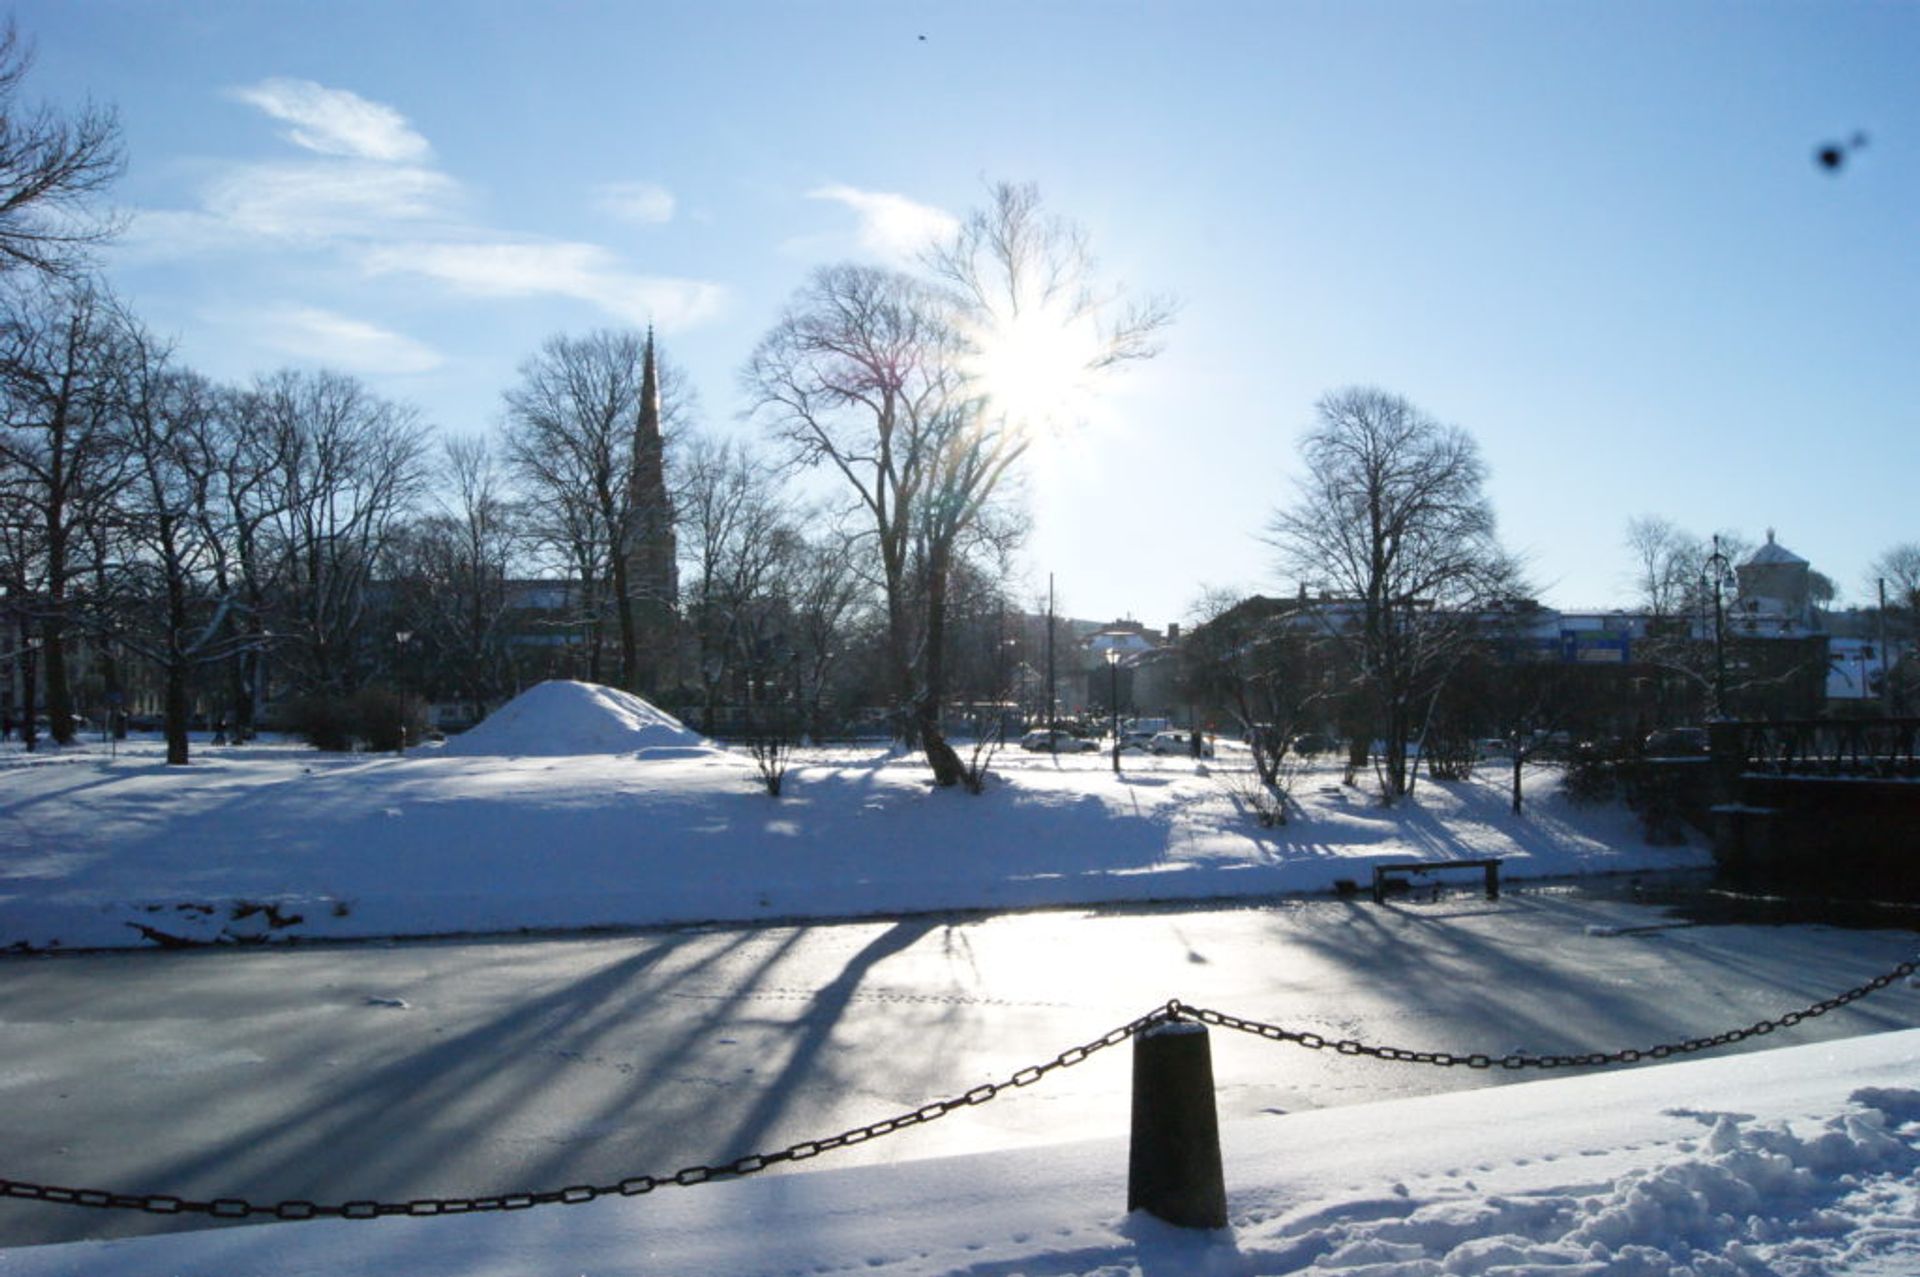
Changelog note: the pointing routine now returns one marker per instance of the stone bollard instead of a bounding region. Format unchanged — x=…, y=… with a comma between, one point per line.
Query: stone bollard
x=1173, y=1168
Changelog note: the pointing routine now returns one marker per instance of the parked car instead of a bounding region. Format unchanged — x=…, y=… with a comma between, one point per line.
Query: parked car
x=1178, y=743
x=1492, y=747
x=1314, y=743
x=1677, y=742
x=1054, y=740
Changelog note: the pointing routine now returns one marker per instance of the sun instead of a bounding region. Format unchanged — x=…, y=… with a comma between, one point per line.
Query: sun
x=1034, y=366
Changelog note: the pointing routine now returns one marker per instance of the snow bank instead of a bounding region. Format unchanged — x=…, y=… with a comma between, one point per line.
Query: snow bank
x=559, y=718
x=1797, y=1161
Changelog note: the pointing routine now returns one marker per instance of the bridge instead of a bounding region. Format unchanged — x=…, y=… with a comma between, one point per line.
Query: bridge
x=1831, y=803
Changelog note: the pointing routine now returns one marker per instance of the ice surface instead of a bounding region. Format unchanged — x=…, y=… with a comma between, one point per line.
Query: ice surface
x=1630, y=1174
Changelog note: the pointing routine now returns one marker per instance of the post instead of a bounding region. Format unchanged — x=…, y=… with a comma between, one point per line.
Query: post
x=1173, y=1166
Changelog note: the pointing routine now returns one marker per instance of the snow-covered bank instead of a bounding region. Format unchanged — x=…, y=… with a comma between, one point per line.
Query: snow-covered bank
x=583, y=808
x=1794, y=1161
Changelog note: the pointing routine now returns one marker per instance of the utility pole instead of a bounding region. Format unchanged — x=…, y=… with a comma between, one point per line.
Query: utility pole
x=1052, y=702
x=1886, y=664
x=1717, y=564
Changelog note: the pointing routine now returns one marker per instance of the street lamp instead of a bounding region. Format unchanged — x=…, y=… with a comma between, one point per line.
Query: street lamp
x=1113, y=696
x=1717, y=567
x=400, y=640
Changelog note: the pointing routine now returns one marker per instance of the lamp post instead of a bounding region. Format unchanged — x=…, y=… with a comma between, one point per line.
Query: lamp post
x=1113, y=697
x=1717, y=568
x=400, y=640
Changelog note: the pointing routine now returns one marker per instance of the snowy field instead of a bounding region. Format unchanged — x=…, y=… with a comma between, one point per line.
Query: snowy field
x=582, y=808
x=579, y=807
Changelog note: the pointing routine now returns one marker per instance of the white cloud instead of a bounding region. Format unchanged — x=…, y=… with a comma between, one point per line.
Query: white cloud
x=891, y=226
x=335, y=121
x=337, y=341
x=644, y=202
x=326, y=199
x=585, y=272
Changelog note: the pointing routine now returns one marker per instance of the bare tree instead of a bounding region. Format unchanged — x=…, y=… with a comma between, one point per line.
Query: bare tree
x=1392, y=515
x=862, y=374
x=174, y=519
x=349, y=469
x=1898, y=567
x=881, y=377
x=59, y=347
x=249, y=454
x=449, y=569
x=740, y=544
x=570, y=438
x=1666, y=565
x=51, y=167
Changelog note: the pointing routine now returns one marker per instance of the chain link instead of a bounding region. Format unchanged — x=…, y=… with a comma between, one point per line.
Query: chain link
x=753, y=1163
x=1520, y=1060
x=633, y=1186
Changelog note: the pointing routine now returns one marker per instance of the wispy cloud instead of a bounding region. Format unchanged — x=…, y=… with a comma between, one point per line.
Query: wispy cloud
x=338, y=341
x=323, y=200
x=644, y=202
x=371, y=197
x=891, y=226
x=585, y=272
x=336, y=121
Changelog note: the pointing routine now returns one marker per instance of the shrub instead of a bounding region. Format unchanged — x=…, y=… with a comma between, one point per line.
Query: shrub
x=374, y=716
x=388, y=720
x=1449, y=756
x=323, y=721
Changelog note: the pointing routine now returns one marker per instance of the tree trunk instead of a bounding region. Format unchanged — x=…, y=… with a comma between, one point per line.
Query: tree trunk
x=946, y=765
x=59, y=694
x=623, y=619
x=177, y=710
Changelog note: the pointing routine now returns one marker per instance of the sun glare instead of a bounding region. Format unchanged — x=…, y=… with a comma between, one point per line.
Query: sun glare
x=1035, y=367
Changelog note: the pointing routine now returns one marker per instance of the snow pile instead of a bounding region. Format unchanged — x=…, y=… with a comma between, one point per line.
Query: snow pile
x=1750, y=1198
x=559, y=718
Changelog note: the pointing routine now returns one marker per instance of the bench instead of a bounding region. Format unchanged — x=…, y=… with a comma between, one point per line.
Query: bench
x=1383, y=874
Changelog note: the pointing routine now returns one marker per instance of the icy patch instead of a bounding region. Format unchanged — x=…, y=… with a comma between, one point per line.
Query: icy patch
x=560, y=718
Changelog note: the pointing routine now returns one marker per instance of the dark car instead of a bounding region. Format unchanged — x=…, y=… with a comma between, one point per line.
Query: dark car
x=1677, y=742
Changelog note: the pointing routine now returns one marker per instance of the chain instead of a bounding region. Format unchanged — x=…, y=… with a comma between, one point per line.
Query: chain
x=1518, y=1060
x=752, y=1163
x=633, y=1186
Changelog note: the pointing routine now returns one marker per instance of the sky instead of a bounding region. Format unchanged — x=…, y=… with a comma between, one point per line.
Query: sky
x=1594, y=236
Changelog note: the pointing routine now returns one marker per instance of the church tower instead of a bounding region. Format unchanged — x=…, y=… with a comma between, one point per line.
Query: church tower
x=653, y=572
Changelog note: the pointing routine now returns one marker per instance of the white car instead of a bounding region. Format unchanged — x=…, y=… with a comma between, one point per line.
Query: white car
x=1178, y=743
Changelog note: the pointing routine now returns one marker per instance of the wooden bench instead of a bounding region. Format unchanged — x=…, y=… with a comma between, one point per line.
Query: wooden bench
x=1383, y=874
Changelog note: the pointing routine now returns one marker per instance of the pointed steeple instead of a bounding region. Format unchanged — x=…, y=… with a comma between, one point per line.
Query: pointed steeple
x=653, y=576
x=649, y=395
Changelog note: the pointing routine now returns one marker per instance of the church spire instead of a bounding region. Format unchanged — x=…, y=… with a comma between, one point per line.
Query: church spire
x=653, y=577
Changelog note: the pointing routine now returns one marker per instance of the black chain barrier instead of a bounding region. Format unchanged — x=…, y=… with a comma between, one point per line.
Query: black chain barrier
x=1517, y=1060
x=639, y=1185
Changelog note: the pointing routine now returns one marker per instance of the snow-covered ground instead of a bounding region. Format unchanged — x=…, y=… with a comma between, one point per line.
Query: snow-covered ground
x=581, y=809
x=1798, y=1161
x=577, y=807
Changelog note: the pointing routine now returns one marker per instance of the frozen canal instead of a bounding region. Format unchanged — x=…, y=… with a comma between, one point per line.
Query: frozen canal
x=333, y=1073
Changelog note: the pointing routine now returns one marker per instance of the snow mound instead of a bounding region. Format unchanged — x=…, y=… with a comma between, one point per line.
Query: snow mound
x=559, y=718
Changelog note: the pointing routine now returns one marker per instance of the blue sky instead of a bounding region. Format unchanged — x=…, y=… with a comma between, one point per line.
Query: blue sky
x=1592, y=235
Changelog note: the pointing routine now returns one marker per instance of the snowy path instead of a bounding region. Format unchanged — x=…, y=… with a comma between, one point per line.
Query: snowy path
x=451, y=1068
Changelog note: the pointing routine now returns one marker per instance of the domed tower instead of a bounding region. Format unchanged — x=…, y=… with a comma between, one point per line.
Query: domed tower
x=1775, y=585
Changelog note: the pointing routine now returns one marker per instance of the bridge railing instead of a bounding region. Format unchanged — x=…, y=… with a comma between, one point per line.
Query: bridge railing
x=1865, y=748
